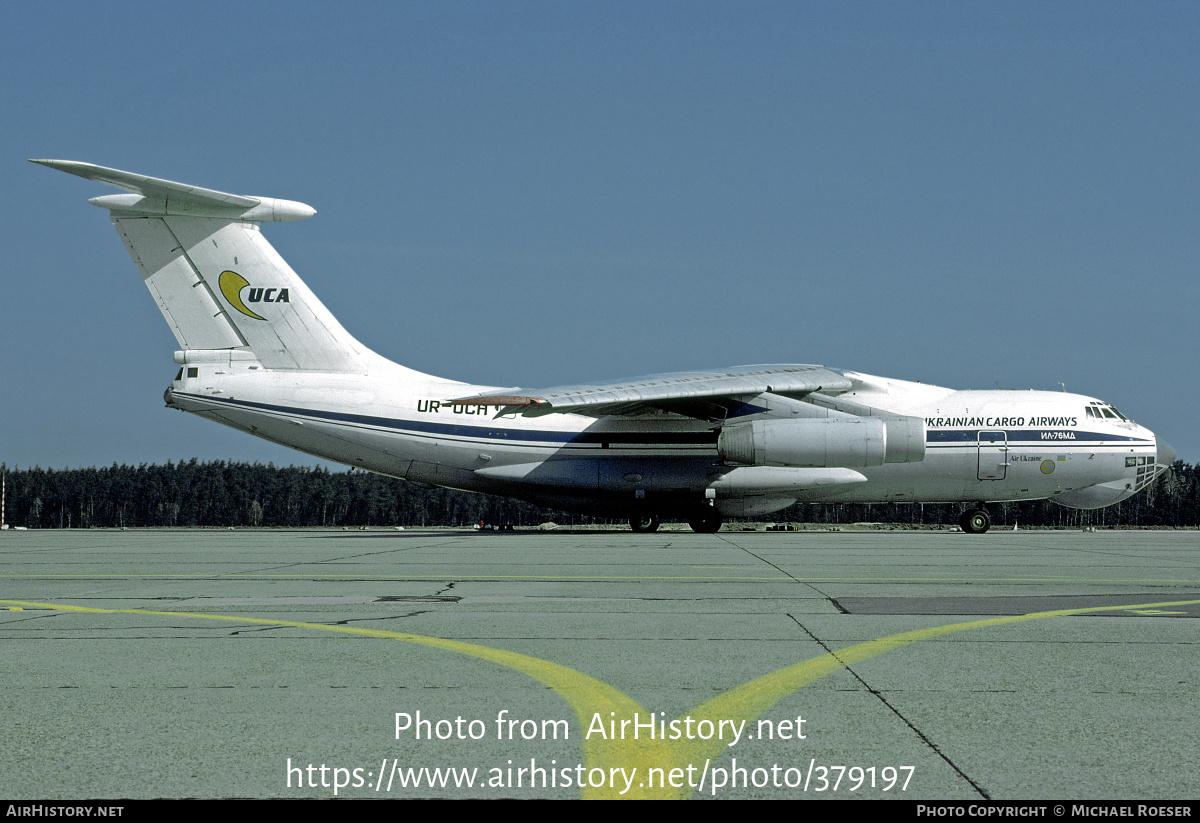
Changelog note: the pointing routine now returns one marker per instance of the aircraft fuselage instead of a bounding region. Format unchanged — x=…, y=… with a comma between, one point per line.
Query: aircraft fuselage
x=981, y=446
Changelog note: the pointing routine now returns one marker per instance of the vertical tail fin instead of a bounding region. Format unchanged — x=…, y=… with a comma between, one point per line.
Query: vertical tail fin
x=219, y=284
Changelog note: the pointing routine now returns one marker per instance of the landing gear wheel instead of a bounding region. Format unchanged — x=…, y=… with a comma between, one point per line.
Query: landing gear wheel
x=644, y=522
x=975, y=521
x=707, y=521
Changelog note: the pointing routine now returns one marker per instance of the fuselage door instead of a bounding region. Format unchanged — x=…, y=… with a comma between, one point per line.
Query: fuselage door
x=993, y=455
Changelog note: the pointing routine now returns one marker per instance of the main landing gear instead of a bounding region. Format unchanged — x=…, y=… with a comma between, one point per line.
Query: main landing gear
x=975, y=521
x=644, y=522
x=705, y=520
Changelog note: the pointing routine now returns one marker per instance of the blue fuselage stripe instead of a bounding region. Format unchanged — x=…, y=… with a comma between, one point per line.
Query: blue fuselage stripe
x=1026, y=436
x=701, y=438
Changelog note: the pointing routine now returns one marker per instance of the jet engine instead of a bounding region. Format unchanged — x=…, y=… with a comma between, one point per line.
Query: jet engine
x=846, y=441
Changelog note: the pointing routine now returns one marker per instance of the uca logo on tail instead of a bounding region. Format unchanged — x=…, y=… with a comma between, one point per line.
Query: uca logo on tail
x=232, y=284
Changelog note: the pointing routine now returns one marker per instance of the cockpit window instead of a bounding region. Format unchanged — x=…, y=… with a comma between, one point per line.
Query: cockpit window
x=1102, y=411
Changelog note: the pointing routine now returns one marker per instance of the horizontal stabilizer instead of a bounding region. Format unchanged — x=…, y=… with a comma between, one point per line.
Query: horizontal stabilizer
x=151, y=195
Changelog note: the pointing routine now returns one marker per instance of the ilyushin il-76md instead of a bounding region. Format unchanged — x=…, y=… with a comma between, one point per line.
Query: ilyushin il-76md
x=259, y=352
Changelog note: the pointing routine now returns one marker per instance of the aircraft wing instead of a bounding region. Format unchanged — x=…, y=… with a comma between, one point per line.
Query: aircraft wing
x=688, y=393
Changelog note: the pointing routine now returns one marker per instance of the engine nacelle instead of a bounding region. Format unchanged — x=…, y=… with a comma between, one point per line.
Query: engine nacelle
x=816, y=442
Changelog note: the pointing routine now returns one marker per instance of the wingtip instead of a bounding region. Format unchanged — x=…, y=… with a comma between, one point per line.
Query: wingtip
x=61, y=165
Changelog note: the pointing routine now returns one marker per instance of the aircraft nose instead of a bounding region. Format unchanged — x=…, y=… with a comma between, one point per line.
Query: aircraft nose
x=1166, y=454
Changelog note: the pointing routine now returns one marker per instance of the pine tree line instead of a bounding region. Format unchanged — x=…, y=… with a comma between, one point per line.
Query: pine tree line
x=221, y=494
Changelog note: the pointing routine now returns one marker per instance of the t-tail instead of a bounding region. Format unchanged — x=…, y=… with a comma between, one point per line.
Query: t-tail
x=222, y=288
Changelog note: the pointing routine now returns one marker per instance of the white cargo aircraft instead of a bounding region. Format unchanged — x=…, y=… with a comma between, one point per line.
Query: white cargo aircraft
x=259, y=352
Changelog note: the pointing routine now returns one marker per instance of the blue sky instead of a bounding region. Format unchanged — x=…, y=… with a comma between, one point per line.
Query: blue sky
x=544, y=193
